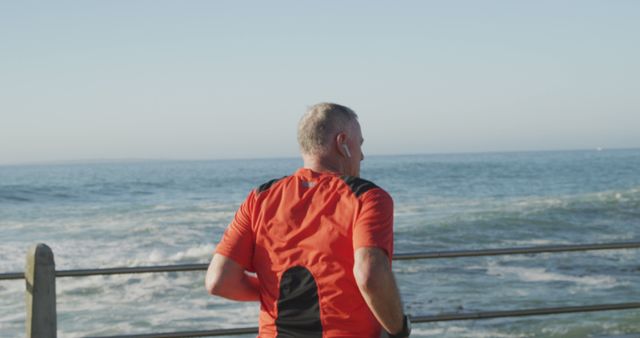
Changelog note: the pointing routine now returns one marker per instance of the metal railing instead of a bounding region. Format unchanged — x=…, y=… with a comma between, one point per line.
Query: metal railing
x=414, y=319
x=396, y=257
x=41, y=256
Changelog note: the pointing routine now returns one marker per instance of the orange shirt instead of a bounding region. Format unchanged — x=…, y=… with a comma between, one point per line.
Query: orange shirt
x=299, y=234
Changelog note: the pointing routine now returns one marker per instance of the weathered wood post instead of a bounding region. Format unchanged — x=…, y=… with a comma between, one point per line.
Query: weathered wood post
x=40, y=275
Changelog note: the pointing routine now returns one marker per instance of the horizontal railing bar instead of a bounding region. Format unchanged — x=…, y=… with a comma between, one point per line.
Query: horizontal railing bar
x=525, y=312
x=116, y=271
x=414, y=319
x=135, y=269
x=204, y=333
x=11, y=275
x=516, y=251
x=398, y=257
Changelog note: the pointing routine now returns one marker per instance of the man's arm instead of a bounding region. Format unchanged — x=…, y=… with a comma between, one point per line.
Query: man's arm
x=226, y=278
x=373, y=274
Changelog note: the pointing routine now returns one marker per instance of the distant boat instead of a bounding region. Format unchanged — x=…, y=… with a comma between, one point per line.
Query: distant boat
x=599, y=149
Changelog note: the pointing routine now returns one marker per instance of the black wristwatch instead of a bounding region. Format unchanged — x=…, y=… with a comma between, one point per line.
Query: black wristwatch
x=406, y=329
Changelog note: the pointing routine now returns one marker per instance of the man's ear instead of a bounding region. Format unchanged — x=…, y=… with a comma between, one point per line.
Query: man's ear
x=341, y=139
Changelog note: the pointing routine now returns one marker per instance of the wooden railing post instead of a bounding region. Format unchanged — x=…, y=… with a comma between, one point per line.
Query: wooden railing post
x=40, y=275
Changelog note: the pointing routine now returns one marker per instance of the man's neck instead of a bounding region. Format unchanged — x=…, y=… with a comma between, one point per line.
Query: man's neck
x=322, y=165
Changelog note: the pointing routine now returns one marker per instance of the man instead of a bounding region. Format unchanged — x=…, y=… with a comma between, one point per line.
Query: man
x=320, y=242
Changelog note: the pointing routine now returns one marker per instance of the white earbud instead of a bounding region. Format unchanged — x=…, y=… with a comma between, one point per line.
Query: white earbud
x=346, y=150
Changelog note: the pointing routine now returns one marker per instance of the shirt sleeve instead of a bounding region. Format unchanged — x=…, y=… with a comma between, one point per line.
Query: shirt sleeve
x=237, y=241
x=374, y=224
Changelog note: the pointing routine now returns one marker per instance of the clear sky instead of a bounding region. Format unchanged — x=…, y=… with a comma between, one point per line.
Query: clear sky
x=230, y=79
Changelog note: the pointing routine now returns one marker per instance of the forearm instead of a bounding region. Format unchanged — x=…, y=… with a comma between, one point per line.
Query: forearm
x=379, y=289
x=226, y=278
x=246, y=289
x=384, y=302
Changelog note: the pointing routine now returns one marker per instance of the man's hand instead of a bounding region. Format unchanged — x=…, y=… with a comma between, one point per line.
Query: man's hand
x=372, y=271
x=226, y=278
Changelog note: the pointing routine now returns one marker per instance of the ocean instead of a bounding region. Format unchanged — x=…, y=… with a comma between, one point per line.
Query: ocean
x=100, y=215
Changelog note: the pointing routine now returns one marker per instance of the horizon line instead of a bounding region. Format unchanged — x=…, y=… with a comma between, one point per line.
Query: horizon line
x=141, y=159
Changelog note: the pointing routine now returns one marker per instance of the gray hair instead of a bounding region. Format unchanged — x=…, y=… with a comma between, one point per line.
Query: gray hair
x=321, y=122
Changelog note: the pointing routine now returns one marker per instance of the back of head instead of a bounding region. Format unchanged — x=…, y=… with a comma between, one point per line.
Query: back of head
x=320, y=123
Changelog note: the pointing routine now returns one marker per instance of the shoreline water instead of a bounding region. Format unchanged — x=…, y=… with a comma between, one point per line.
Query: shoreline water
x=173, y=212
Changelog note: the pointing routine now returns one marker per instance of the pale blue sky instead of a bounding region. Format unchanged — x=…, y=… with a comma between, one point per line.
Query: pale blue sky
x=229, y=79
